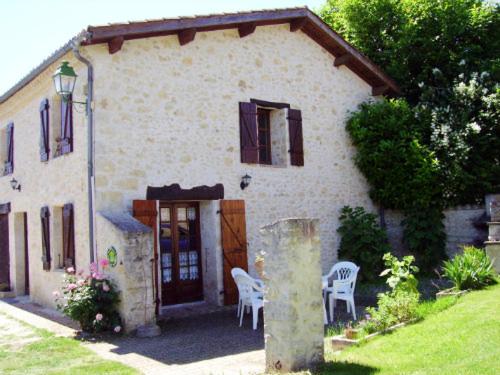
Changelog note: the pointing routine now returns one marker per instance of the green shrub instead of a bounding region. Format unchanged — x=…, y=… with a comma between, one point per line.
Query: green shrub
x=470, y=270
x=400, y=304
x=90, y=300
x=362, y=241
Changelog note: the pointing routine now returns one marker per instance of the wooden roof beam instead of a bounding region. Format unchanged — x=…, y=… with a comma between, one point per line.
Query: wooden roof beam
x=115, y=44
x=342, y=59
x=380, y=90
x=245, y=29
x=185, y=36
x=297, y=23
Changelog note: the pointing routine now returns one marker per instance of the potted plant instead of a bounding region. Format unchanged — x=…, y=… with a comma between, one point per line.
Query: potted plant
x=350, y=332
x=259, y=265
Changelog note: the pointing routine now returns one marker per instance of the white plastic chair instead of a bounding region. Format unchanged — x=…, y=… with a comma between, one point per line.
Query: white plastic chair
x=238, y=271
x=250, y=295
x=342, y=287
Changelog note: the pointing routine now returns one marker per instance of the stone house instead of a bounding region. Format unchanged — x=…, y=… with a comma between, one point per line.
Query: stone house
x=149, y=171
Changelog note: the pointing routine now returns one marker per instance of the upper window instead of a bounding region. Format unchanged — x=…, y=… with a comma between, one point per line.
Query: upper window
x=264, y=135
x=269, y=132
x=7, y=150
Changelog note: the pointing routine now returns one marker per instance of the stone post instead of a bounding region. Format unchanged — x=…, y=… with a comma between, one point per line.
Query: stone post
x=492, y=246
x=293, y=313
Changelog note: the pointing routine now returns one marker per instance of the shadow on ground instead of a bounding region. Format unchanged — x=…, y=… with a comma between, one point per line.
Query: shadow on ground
x=195, y=338
x=339, y=368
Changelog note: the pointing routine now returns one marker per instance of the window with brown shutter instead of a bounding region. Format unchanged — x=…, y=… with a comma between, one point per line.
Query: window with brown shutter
x=44, y=130
x=9, y=160
x=264, y=135
x=65, y=141
x=68, y=232
x=45, y=216
x=296, y=139
x=248, y=133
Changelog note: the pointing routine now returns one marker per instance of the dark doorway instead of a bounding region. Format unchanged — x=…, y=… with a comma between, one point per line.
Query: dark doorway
x=180, y=253
x=4, y=252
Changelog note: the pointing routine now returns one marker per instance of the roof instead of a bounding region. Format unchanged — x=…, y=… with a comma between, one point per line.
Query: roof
x=186, y=28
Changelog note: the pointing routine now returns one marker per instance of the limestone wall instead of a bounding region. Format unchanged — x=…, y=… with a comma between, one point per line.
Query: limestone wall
x=56, y=182
x=459, y=227
x=133, y=272
x=169, y=114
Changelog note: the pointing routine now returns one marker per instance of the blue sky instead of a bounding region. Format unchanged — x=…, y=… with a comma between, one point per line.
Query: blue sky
x=32, y=29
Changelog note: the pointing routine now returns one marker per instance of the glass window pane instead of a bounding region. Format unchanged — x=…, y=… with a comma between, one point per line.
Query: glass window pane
x=183, y=258
x=181, y=214
x=165, y=214
x=167, y=275
x=184, y=273
x=191, y=213
x=193, y=273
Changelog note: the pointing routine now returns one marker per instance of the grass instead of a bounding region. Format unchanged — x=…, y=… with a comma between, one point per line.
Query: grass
x=453, y=338
x=47, y=354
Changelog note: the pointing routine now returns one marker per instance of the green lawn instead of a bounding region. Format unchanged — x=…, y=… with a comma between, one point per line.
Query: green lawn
x=26, y=350
x=463, y=339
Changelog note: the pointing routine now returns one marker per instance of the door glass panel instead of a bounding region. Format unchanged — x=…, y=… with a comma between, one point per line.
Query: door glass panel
x=184, y=273
x=166, y=245
x=191, y=213
x=193, y=273
x=181, y=214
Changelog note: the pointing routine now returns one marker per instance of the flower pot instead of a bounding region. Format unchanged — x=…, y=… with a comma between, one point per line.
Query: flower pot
x=351, y=333
x=259, y=266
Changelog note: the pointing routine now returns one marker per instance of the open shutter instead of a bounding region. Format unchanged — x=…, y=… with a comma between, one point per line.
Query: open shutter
x=9, y=164
x=145, y=211
x=44, y=130
x=234, y=244
x=68, y=235
x=45, y=215
x=66, y=141
x=296, y=140
x=248, y=133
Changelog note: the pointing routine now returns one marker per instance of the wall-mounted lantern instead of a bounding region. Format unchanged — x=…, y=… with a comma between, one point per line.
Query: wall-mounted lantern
x=64, y=81
x=15, y=185
x=245, y=181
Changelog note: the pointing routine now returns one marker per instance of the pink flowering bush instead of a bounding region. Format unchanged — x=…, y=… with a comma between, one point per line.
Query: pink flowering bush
x=91, y=300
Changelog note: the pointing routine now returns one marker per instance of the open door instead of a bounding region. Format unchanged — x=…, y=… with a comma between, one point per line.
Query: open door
x=234, y=244
x=146, y=212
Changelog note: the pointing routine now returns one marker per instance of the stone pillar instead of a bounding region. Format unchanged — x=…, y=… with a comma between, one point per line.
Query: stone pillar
x=493, y=244
x=293, y=314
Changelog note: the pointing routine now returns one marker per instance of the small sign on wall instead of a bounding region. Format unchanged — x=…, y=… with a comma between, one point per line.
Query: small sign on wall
x=112, y=256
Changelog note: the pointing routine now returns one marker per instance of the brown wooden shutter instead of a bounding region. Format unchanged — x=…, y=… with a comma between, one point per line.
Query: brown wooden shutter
x=296, y=140
x=45, y=215
x=234, y=244
x=248, y=133
x=44, y=130
x=145, y=212
x=9, y=164
x=68, y=224
x=66, y=141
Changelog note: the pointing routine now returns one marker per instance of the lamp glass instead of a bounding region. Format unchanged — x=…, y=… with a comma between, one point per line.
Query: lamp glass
x=64, y=79
x=13, y=183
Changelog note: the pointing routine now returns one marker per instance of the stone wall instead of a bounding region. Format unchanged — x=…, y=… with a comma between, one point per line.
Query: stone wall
x=459, y=226
x=132, y=274
x=169, y=114
x=53, y=183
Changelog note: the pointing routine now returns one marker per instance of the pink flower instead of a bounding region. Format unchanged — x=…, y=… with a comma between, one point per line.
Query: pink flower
x=93, y=267
x=71, y=286
x=117, y=329
x=70, y=270
x=98, y=276
x=98, y=317
x=105, y=287
x=80, y=282
x=104, y=263
x=56, y=294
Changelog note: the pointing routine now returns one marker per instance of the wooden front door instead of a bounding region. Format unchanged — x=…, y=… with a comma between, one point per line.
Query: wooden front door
x=180, y=253
x=4, y=250
x=234, y=244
